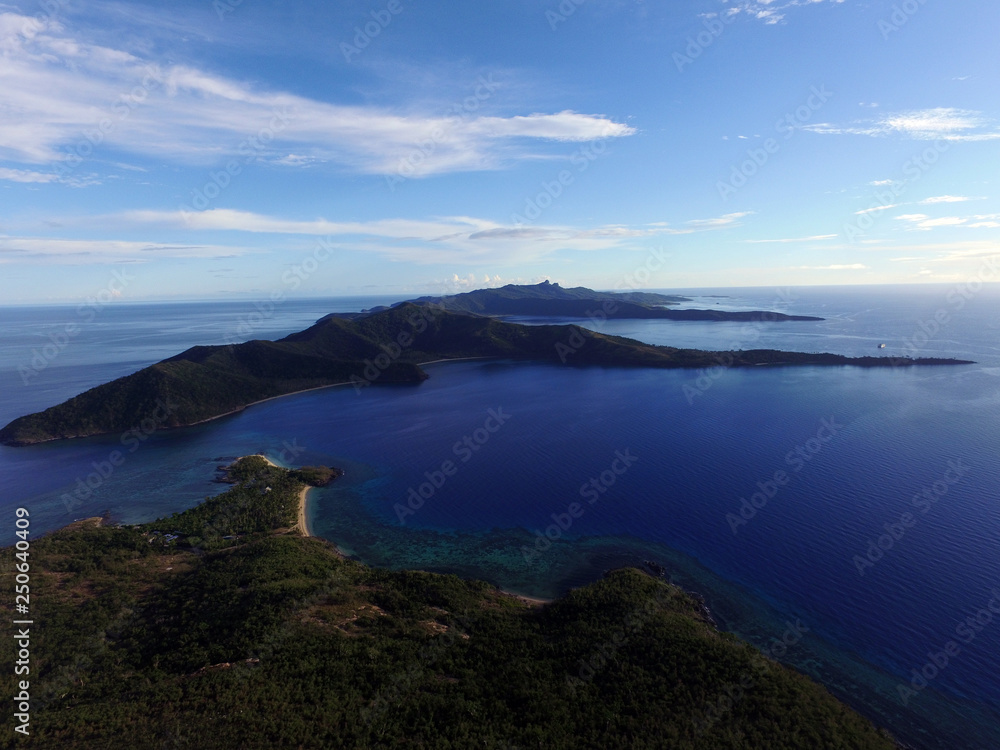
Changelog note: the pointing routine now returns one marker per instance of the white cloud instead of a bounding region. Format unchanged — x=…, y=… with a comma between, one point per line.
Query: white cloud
x=20, y=175
x=43, y=250
x=977, y=221
x=944, y=221
x=61, y=94
x=727, y=220
x=448, y=239
x=843, y=267
x=797, y=239
x=874, y=209
x=922, y=221
x=945, y=199
x=768, y=11
x=940, y=123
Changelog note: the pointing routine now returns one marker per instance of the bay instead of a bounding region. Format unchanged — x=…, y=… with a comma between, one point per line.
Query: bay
x=858, y=447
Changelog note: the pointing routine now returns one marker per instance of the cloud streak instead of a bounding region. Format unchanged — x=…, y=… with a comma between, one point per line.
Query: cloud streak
x=450, y=239
x=57, y=89
x=61, y=251
x=768, y=11
x=940, y=123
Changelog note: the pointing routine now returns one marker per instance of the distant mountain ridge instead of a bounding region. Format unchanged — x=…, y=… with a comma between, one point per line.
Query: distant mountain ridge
x=388, y=346
x=551, y=300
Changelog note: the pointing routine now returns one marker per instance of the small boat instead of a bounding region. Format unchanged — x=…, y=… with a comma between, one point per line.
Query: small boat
x=881, y=346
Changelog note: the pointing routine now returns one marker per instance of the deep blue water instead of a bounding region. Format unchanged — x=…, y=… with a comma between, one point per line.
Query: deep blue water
x=869, y=442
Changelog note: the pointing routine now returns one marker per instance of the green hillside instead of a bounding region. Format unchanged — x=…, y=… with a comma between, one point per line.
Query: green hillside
x=239, y=633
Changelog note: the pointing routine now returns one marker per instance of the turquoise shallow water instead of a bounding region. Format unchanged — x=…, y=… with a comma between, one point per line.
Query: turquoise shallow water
x=889, y=435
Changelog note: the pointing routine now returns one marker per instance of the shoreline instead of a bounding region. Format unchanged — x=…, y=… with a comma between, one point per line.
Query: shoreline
x=864, y=362
x=303, y=527
x=531, y=601
x=282, y=395
x=302, y=524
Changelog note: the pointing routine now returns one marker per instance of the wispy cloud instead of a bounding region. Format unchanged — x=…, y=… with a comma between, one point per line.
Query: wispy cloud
x=447, y=239
x=977, y=221
x=21, y=175
x=814, y=238
x=60, y=251
x=719, y=222
x=941, y=123
x=922, y=221
x=769, y=11
x=876, y=209
x=945, y=199
x=59, y=91
x=835, y=267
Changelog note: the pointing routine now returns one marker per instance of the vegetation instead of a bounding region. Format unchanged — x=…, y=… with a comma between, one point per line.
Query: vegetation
x=548, y=299
x=316, y=476
x=379, y=348
x=275, y=641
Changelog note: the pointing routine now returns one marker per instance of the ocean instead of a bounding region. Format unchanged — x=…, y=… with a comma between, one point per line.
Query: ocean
x=860, y=507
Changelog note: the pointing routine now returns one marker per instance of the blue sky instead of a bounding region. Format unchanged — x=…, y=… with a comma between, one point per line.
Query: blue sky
x=235, y=149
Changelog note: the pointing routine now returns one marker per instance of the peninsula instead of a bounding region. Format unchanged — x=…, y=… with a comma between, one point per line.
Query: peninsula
x=223, y=627
x=373, y=348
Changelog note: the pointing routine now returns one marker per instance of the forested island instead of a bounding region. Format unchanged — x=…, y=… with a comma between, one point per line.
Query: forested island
x=364, y=349
x=551, y=300
x=223, y=627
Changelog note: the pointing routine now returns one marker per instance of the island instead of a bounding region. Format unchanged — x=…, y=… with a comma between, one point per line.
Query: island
x=364, y=349
x=224, y=627
x=551, y=300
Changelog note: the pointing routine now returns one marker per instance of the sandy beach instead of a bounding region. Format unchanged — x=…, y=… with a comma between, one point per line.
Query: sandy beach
x=531, y=601
x=302, y=525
